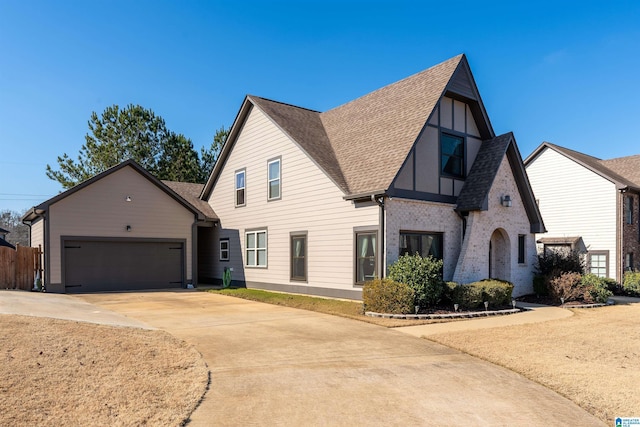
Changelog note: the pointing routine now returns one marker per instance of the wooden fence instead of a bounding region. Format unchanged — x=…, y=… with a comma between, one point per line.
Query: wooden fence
x=18, y=267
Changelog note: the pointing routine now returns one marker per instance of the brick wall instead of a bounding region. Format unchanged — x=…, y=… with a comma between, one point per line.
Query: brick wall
x=630, y=232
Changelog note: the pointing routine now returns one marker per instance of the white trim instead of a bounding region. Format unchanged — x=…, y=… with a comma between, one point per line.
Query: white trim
x=227, y=250
x=256, y=249
x=270, y=180
x=243, y=188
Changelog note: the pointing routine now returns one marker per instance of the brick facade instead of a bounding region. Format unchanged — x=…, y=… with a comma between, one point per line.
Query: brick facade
x=630, y=233
x=467, y=260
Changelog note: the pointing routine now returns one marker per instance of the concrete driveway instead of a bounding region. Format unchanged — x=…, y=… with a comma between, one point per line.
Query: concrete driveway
x=278, y=366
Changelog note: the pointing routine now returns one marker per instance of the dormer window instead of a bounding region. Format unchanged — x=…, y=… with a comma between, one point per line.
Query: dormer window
x=452, y=155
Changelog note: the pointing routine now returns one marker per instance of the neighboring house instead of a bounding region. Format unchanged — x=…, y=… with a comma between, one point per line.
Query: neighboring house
x=122, y=229
x=3, y=239
x=597, y=212
x=319, y=203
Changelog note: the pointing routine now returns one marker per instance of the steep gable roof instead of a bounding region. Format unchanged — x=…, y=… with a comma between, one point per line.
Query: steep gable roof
x=39, y=210
x=475, y=192
x=594, y=164
x=628, y=167
x=362, y=144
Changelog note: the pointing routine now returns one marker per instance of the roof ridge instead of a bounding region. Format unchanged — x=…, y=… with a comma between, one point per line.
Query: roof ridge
x=571, y=150
x=283, y=103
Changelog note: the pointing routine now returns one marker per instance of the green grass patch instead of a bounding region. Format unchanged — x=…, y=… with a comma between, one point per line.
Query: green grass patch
x=351, y=309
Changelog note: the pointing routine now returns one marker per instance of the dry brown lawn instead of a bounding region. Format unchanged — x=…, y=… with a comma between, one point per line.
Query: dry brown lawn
x=57, y=372
x=592, y=358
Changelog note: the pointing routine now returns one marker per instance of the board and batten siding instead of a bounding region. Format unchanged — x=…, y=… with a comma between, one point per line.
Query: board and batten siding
x=100, y=210
x=574, y=201
x=310, y=202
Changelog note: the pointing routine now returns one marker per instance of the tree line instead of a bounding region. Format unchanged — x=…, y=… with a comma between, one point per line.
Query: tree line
x=137, y=133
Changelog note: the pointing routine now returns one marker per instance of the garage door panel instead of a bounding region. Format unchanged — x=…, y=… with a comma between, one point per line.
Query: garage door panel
x=116, y=265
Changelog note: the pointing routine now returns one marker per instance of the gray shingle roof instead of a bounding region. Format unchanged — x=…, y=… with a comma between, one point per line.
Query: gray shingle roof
x=473, y=195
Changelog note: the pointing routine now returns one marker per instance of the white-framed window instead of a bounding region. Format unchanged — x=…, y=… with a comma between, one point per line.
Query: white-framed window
x=273, y=170
x=256, y=248
x=240, y=187
x=598, y=261
x=224, y=249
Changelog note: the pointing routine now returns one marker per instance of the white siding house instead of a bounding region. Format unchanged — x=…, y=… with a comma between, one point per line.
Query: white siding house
x=588, y=210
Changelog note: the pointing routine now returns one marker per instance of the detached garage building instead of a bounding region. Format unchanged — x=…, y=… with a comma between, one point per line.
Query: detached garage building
x=120, y=230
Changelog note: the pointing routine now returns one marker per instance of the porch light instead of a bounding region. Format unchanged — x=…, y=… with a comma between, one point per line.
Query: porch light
x=506, y=201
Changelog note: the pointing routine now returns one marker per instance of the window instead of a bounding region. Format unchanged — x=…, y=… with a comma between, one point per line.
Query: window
x=522, y=240
x=240, y=188
x=273, y=167
x=452, y=155
x=628, y=209
x=256, y=248
x=366, y=250
x=598, y=263
x=224, y=249
x=299, y=257
x=628, y=261
x=424, y=244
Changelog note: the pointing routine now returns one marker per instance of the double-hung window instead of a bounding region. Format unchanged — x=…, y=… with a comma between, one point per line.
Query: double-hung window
x=273, y=167
x=224, y=250
x=598, y=261
x=452, y=155
x=628, y=209
x=256, y=248
x=240, y=187
x=366, y=250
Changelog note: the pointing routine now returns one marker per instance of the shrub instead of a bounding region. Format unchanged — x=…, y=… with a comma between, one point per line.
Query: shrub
x=567, y=286
x=540, y=287
x=473, y=295
x=612, y=285
x=448, y=293
x=631, y=283
x=594, y=289
x=423, y=275
x=387, y=296
x=551, y=265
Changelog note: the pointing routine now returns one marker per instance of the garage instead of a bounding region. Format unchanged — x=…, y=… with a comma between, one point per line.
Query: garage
x=116, y=265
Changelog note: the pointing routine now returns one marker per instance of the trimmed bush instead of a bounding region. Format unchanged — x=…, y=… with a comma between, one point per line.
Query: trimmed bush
x=631, y=283
x=473, y=295
x=612, y=285
x=447, y=293
x=540, y=287
x=423, y=275
x=388, y=296
x=594, y=289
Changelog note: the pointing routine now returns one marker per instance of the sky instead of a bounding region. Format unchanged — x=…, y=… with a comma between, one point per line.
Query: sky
x=563, y=72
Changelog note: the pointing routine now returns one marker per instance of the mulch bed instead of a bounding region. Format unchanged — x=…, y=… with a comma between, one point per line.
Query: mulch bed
x=547, y=300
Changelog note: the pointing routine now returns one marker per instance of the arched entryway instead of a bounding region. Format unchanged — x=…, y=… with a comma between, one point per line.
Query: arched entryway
x=500, y=255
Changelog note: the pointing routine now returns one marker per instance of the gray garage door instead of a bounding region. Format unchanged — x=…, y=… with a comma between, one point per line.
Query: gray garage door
x=91, y=266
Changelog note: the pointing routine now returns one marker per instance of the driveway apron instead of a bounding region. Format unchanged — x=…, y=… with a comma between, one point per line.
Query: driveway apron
x=272, y=365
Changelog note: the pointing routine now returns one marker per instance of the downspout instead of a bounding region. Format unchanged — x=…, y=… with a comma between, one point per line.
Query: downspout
x=381, y=248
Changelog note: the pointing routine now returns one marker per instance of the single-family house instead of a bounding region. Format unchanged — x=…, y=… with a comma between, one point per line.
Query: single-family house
x=598, y=215
x=320, y=202
x=123, y=229
x=311, y=202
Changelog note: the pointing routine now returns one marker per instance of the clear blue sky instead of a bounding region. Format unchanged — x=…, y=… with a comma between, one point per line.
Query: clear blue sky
x=564, y=72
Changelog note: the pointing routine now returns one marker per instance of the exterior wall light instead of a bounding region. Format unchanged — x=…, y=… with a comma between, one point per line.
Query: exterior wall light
x=128, y=199
x=128, y=227
x=506, y=201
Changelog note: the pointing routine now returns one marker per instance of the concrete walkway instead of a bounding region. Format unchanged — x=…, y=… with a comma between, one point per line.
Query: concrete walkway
x=535, y=313
x=273, y=365
x=59, y=306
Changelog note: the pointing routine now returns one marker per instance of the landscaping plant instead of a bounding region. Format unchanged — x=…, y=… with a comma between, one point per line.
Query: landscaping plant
x=471, y=296
x=387, y=296
x=422, y=274
x=551, y=265
x=631, y=283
